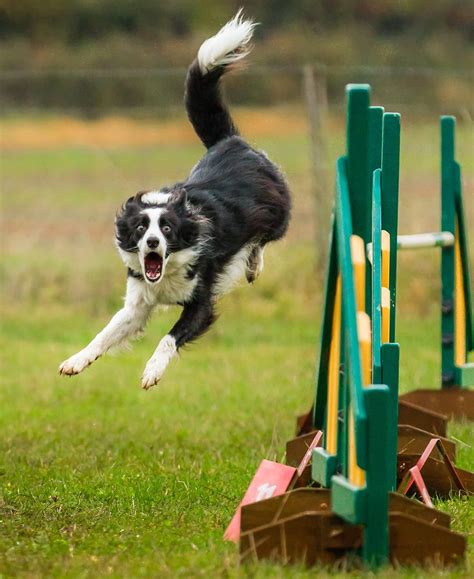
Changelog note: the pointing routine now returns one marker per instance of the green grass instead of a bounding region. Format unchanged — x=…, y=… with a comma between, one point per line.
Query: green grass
x=100, y=478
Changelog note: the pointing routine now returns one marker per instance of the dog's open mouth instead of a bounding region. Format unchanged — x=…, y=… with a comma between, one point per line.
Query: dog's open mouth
x=153, y=266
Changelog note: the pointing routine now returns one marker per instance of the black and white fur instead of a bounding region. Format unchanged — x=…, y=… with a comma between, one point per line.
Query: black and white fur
x=188, y=244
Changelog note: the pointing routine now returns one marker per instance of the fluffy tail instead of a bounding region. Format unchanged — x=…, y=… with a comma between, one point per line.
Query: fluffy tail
x=206, y=111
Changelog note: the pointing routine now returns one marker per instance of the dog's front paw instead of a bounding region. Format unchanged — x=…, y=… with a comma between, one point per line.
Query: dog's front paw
x=154, y=372
x=76, y=364
x=158, y=363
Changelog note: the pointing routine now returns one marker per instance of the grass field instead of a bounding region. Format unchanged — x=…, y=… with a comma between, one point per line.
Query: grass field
x=100, y=478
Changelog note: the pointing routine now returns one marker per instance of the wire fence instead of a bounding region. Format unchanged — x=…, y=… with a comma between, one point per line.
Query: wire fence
x=159, y=91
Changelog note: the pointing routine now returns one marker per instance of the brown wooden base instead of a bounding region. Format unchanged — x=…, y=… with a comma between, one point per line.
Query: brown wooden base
x=457, y=403
x=409, y=413
x=401, y=504
x=296, y=448
x=426, y=409
x=416, y=542
x=284, y=506
x=299, y=527
x=436, y=475
x=304, y=423
x=412, y=440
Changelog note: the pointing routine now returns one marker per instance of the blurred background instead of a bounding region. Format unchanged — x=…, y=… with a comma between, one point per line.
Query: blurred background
x=94, y=57
x=91, y=111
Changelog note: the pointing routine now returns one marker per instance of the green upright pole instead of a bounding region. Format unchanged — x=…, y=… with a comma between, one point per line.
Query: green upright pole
x=447, y=253
x=320, y=402
x=376, y=536
x=358, y=165
x=376, y=277
x=390, y=181
x=375, y=162
x=390, y=354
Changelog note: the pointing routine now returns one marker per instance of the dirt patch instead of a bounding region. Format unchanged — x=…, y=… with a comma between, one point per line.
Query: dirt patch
x=116, y=132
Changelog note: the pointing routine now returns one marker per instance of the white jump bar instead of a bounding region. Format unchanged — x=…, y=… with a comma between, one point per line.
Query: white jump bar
x=421, y=240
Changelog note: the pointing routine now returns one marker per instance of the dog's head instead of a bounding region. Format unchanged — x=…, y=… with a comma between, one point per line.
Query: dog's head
x=151, y=227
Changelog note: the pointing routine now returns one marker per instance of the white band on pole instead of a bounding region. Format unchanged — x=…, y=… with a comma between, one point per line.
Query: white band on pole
x=421, y=240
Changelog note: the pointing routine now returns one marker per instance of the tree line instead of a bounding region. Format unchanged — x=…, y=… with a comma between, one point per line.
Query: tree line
x=72, y=21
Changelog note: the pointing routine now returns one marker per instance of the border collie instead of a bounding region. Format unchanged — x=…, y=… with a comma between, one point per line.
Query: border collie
x=189, y=243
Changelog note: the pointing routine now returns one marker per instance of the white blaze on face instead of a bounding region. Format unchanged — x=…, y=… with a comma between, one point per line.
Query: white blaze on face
x=155, y=198
x=153, y=231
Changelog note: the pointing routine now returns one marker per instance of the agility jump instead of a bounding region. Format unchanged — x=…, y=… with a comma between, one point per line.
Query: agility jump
x=357, y=424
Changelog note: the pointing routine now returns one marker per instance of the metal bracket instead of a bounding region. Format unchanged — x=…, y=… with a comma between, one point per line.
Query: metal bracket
x=447, y=378
x=447, y=339
x=447, y=306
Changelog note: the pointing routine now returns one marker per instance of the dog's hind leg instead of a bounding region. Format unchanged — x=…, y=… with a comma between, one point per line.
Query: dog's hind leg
x=196, y=317
x=126, y=323
x=254, y=264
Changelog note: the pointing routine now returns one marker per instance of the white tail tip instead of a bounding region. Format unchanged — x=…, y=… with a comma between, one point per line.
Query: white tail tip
x=229, y=45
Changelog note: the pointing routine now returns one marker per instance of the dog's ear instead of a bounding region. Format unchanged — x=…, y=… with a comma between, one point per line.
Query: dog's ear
x=124, y=207
x=178, y=199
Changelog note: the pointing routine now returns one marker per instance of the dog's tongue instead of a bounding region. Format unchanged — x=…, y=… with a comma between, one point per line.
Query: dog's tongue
x=153, y=264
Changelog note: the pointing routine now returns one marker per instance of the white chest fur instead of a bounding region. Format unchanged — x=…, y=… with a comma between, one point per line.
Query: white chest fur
x=176, y=287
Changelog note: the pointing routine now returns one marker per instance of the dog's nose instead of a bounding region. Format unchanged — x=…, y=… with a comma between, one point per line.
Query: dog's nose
x=153, y=242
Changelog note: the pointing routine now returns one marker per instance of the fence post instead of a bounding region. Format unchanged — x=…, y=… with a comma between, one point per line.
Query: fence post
x=315, y=93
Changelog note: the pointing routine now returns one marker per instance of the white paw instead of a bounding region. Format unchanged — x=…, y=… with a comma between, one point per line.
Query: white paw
x=153, y=372
x=76, y=364
x=158, y=363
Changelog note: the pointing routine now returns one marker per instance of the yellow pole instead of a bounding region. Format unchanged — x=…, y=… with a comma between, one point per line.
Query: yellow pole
x=333, y=378
x=356, y=474
x=358, y=264
x=460, y=356
x=385, y=315
x=365, y=346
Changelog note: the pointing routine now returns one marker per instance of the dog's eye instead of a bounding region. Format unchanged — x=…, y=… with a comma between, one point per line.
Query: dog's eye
x=141, y=228
x=166, y=229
